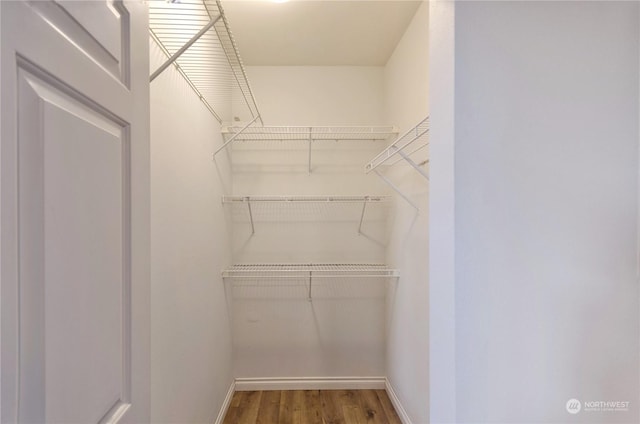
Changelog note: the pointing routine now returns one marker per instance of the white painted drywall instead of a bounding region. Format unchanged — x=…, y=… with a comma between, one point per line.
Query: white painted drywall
x=442, y=390
x=277, y=331
x=406, y=104
x=191, y=366
x=546, y=198
x=318, y=95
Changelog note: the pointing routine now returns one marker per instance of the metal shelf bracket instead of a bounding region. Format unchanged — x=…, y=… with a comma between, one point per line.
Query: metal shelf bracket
x=396, y=189
x=412, y=163
x=310, y=141
x=253, y=228
x=226, y=143
x=364, y=207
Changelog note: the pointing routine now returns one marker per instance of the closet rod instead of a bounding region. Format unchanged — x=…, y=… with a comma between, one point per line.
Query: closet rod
x=184, y=48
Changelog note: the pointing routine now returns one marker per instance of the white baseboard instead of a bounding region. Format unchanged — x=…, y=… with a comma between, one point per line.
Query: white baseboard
x=402, y=413
x=226, y=403
x=310, y=383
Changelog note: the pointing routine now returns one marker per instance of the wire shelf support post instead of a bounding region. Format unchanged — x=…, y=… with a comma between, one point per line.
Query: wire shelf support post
x=310, y=141
x=253, y=228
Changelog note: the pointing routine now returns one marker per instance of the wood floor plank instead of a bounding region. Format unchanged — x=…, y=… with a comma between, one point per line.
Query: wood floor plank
x=313, y=407
x=387, y=406
x=249, y=407
x=231, y=416
x=269, y=410
x=299, y=407
x=351, y=408
x=331, y=410
x=286, y=407
x=347, y=397
x=353, y=415
x=371, y=407
x=236, y=399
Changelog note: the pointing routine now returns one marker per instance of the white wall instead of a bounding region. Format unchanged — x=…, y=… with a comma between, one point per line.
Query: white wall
x=318, y=95
x=407, y=103
x=442, y=390
x=191, y=366
x=277, y=331
x=546, y=195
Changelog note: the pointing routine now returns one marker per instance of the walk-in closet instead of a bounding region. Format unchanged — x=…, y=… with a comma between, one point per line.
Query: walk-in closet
x=319, y=211
x=289, y=199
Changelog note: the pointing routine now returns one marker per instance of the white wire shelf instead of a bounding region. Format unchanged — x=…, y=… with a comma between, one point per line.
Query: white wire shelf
x=416, y=136
x=298, y=133
x=305, y=199
x=306, y=134
x=324, y=270
x=414, y=140
x=255, y=206
x=321, y=281
x=197, y=33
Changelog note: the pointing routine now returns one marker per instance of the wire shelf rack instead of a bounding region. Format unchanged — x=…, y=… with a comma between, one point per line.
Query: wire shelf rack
x=305, y=199
x=306, y=134
x=309, y=281
x=297, y=271
x=211, y=63
x=414, y=140
x=416, y=137
x=339, y=208
x=297, y=133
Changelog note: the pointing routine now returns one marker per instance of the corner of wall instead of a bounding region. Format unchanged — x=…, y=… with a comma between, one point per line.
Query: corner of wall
x=406, y=104
x=397, y=404
x=225, y=404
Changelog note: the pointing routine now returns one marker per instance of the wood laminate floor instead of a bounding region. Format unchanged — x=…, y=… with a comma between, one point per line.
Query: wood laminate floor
x=311, y=407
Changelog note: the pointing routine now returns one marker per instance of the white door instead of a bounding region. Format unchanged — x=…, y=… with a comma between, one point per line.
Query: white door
x=74, y=169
